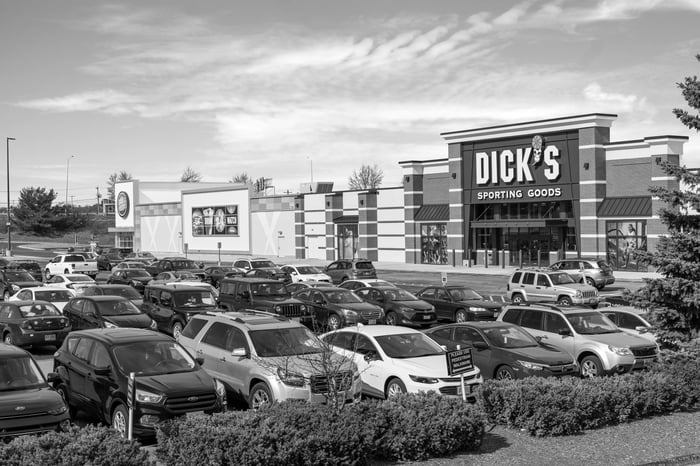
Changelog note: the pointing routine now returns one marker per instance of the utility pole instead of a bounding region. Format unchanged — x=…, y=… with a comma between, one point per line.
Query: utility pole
x=98, y=200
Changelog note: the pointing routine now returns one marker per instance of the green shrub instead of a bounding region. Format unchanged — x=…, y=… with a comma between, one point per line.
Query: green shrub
x=89, y=445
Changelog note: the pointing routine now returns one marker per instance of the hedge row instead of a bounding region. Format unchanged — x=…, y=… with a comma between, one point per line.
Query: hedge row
x=570, y=405
x=89, y=445
x=409, y=427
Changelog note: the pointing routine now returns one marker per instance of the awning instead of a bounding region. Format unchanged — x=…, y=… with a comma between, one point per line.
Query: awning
x=433, y=212
x=347, y=219
x=633, y=206
x=531, y=223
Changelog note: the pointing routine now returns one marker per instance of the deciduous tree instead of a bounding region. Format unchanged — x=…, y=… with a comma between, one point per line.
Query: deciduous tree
x=190, y=175
x=366, y=177
x=115, y=177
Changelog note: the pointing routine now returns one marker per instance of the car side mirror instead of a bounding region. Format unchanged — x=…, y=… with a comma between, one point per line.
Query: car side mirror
x=239, y=352
x=641, y=329
x=480, y=345
x=565, y=332
x=105, y=370
x=52, y=377
x=245, y=294
x=371, y=356
x=318, y=300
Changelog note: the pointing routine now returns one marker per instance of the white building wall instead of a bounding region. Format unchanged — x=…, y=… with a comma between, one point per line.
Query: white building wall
x=274, y=233
x=161, y=235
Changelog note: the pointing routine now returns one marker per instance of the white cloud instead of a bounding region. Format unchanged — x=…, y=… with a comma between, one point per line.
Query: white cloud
x=610, y=100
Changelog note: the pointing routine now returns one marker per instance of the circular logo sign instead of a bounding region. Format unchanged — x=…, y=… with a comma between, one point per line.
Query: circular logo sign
x=123, y=204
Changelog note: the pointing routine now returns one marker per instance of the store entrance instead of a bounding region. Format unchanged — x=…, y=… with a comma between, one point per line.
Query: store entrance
x=526, y=246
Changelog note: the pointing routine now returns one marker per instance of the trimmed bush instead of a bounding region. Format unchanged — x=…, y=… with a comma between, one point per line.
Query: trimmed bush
x=407, y=428
x=89, y=445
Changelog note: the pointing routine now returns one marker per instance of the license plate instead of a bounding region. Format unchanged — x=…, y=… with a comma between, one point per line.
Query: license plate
x=469, y=389
x=426, y=317
x=372, y=321
x=51, y=337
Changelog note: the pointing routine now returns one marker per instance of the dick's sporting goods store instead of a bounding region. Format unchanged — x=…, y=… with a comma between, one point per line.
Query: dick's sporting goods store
x=532, y=193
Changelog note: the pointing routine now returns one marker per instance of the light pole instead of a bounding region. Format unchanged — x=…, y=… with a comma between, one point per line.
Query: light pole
x=67, y=166
x=9, y=234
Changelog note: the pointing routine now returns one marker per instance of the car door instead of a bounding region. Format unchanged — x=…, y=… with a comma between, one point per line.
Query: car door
x=78, y=368
x=428, y=295
x=72, y=311
x=372, y=367
x=89, y=316
x=444, y=307
x=333, y=271
x=542, y=290
x=320, y=306
x=557, y=331
x=527, y=286
x=99, y=385
x=482, y=357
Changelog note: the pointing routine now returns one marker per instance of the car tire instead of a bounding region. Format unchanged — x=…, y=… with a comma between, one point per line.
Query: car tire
x=391, y=318
x=259, y=396
x=591, y=367
x=6, y=296
x=47, y=274
x=461, y=315
x=62, y=390
x=394, y=387
x=7, y=339
x=120, y=420
x=504, y=372
x=334, y=322
x=176, y=329
x=517, y=298
x=591, y=282
x=564, y=301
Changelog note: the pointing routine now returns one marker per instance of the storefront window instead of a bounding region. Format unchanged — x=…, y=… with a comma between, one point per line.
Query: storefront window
x=347, y=242
x=523, y=211
x=125, y=240
x=433, y=237
x=622, y=239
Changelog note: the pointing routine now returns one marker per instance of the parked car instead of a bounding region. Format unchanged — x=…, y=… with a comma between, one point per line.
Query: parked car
x=357, y=284
x=631, y=320
x=32, y=323
x=175, y=264
x=400, y=306
x=504, y=351
x=105, y=312
x=124, y=291
x=237, y=294
x=266, y=268
x=263, y=357
x=267, y=273
x=298, y=286
x=215, y=273
x=28, y=265
x=144, y=257
x=458, y=303
x=28, y=404
x=71, y=280
x=350, y=269
x=394, y=360
x=305, y=273
x=56, y=296
x=169, y=382
x=108, y=260
x=596, y=272
x=135, y=278
x=127, y=264
x=11, y=281
x=544, y=285
x=214, y=291
x=598, y=345
x=168, y=277
x=172, y=306
x=336, y=307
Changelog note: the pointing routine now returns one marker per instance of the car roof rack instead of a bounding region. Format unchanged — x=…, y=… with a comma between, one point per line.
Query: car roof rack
x=248, y=312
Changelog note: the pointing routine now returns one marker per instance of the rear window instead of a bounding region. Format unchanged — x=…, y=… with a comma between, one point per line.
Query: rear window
x=363, y=265
x=74, y=258
x=193, y=327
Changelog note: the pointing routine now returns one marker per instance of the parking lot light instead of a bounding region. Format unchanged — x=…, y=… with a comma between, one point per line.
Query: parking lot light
x=9, y=222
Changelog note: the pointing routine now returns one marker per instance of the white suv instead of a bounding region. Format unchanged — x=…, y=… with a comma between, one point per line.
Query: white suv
x=262, y=357
x=544, y=285
x=597, y=344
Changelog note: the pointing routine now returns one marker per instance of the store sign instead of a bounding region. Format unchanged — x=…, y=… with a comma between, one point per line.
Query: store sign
x=215, y=220
x=508, y=167
x=123, y=204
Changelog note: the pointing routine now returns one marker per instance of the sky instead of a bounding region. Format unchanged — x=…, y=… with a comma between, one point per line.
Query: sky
x=298, y=90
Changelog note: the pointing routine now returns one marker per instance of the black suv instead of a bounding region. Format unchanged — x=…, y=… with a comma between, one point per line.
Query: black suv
x=93, y=368
x=28, y=405
x=171, y=306
x=105, y=312
x=260, y=267
x=12, y=281
x=264, y=295
x=30, y=266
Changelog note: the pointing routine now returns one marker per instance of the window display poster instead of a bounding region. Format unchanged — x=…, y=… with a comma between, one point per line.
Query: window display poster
x=215, y=221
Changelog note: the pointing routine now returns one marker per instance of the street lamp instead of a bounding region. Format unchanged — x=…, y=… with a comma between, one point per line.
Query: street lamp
x=67, y=166
x=9, y=234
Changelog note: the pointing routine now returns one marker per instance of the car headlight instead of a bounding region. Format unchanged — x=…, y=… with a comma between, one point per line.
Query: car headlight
x=290, y=378
x=349, y=312
x=579, y=294
x=278, y=309
x=533, y=366
x=110, y=325
x=14, y=287
x=303, y=308
x=621, y=350
x=153, y=325
x=220, y=389
x=422, y=379
x=476, y=309
x=142, y=396
x=59, y=410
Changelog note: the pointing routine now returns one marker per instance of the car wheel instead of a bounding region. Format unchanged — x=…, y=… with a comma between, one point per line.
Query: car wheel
x=7, y=339
x=6, y=295
x=63, y=391
x=591, y=282
x=176, y=330
x=260, y=396
x=334, y=322
x=47, y=274
x=591, y=367
x=119, y=420
x=391, y=318
x=460, y=315
x=504, y=373
x=564, y=301
x=394, y=387
x=517, y=298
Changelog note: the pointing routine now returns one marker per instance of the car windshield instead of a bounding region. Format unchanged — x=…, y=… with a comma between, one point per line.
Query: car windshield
x=591, y=323
x=464, y=294
x=509, y=337
x=262, y=264
x=363, y=265
x=80, y=278
x=38, y=310
x=53, y=296
x=20, y=373
x=135, y=273
x=18, y=276
x=408, y=345
x=399, y=295
x=292, y=341
x=561, y=278
x=31, y=266
x=153, y=358
x=184, y=264
x=185, y=276
x=194, y=298
x=344, y=296
x=113, y=257
x=309, y=270
x=125, y=291
x=121, y=307
x=269, y=289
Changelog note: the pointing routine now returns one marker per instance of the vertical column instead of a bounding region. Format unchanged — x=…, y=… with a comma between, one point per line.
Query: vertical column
x=662, y=149
x=592, y=188
x=456, y=225
x=367, y=224
x=413, y=199
x=334, y=208
x=299, y=228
